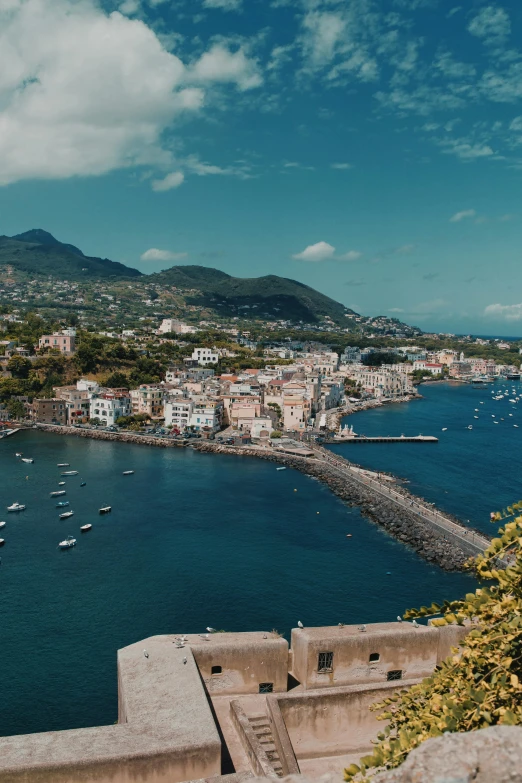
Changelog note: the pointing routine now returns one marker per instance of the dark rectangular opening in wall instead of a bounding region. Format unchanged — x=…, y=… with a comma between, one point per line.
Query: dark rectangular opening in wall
x=266, y=687
x=325, y=662
x=216, y=670
x=394, y=674
x=374, y=657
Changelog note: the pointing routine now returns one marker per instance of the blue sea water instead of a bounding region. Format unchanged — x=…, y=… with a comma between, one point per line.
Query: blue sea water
x=469, y=472
x=193, y=540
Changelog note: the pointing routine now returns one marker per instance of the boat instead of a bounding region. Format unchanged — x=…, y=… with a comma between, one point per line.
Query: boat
x=70, y=473
x=470, y=426
x=85, y=528
x=63, y=464
x=67, y=543
x=515, y=425
x=27, y=459
x=67, y=515
x=105, y=509
x=2, y=524
x=57, y=493
x=18, y=454
x=83, y=484
x=128, y=472
x=62, y=504
x=280, y=468
x=61, y=483
x=16, y=507
x=444, y=429
x=2, y=541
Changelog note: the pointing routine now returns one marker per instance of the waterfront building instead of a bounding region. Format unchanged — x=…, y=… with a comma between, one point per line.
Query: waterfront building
x=77, y=402
x=382, y=383
x=65, y=343
x=460, y=369
x=49, y=411
x=148, y=399
x=109, y=405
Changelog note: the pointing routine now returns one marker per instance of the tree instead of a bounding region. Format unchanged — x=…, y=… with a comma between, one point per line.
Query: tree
x=117, y=380
x=86, y=357
x=276, y=408
x=480, y=684
x=16, y=409
x=275, y=435
x=19, y=366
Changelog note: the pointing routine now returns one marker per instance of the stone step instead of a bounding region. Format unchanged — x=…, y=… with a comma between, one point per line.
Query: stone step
x=269, y=747
x=255, y=718
x=262, y=730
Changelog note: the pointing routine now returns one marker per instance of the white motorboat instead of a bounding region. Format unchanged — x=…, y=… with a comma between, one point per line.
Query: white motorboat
x=62, y=504
x=2, y=524
x=67, y=515
x=105, y=509
x=2, y=541
x=85, y=528
x=67, y=543
x=27, y=459
x=470, y=426
x=280, y=468
x=444, y=429
x=128, y=472
x=18, y=454
x=61, y=483
x=57, y=493
x=63, y=464
x=70, y=473
x=16, y=507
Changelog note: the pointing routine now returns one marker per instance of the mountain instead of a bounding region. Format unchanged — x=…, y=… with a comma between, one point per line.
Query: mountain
x=266, y=297
x=37, y=252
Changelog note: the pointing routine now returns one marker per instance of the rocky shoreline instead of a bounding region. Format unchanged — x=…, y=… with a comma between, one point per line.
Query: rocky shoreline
x=405, y=526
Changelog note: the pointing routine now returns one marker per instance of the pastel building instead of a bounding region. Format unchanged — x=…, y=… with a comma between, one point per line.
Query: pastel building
x=65, y=343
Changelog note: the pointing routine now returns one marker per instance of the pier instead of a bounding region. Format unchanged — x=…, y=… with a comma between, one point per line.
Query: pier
x=386, y=439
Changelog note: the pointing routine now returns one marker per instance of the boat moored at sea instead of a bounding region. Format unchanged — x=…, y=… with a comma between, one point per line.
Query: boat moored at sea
x=86, y=528
x=63, y=464
x=29, y=460
x=2, y=524
x=70, y=473
x=128, y=472
x=16, y=507
x=105, y=509
x=57, y=493
x=67, y=515
x=83, y=484
x=2, y=541
x=62, y=504
x=67, y=543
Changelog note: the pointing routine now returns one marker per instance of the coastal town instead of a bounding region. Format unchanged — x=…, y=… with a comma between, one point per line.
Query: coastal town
x=294, y=387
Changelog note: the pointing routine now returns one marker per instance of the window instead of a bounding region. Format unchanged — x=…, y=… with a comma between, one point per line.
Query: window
x=216, y=670
x=325, y=662
x=266, y=687
x=374, y=657
x=394, y=674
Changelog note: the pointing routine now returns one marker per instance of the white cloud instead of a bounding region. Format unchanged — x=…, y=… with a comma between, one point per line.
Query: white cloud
x=404, y=250
x=322, y=251
x=516, y=124
x=466, y=213
x=396, y=310
x=341, y=166
x=172, y=180
x=507, y=312
x=492, y=24
x=219, y=64
x=225, y=5
x=465, y=150
x=155, y=254
x=322, y=33
x=83, y=92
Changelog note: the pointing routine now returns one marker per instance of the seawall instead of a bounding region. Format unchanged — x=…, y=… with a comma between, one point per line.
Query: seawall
x=439, y=546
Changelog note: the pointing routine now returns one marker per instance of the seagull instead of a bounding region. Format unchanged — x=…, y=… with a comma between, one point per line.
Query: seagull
x=211, y=630
x=415, y=624
x=300, y=624
x=399, y=618
x=184, y=660
x=361, y=628
x=265, y=636
x=145, y=653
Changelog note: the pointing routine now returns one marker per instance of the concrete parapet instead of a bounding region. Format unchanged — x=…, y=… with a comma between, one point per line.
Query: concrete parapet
x=253, y=748
x=281, y=737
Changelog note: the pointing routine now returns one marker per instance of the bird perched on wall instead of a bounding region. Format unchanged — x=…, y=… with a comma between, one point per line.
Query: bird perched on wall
x=145, y=653
x=184, y=660
x=300, y=624
x=399, y=618
x=211, y=630
x=361, y=628
x=415, y=624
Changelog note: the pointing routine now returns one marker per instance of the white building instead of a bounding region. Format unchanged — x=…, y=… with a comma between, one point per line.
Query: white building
x=387, y=384
x=176, y=326
x=196, y=414
x=205, y=356
x=108, y=407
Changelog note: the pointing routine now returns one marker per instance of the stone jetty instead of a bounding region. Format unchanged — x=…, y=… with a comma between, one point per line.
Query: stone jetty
x=438, y=539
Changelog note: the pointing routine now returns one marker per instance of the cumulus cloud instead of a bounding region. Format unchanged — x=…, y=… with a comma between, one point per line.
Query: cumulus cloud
x=220, y=64
x=155, y=254
x=172, y=180
x=459, y=216
x=492, y=24
x=83, y=92
x=506, y=312
x=322, y=251
x=341, y=166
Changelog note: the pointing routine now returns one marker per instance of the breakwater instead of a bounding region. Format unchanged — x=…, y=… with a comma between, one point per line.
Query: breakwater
x=437, y=538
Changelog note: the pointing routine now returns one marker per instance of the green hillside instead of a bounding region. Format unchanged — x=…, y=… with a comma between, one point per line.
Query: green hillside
x=265, y=297
x=38, y=253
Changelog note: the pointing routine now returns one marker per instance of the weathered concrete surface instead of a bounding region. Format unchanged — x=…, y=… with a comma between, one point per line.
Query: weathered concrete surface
x=488, y=756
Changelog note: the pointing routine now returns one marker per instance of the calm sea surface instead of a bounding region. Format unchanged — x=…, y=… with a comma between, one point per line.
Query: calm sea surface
x=196, y=540
x=469, y=472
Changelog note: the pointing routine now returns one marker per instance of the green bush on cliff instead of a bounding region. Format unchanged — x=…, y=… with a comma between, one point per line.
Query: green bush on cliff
x=479, y=685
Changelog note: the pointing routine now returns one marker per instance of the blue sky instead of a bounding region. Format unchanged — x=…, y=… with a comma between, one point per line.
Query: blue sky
x=369, y=148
